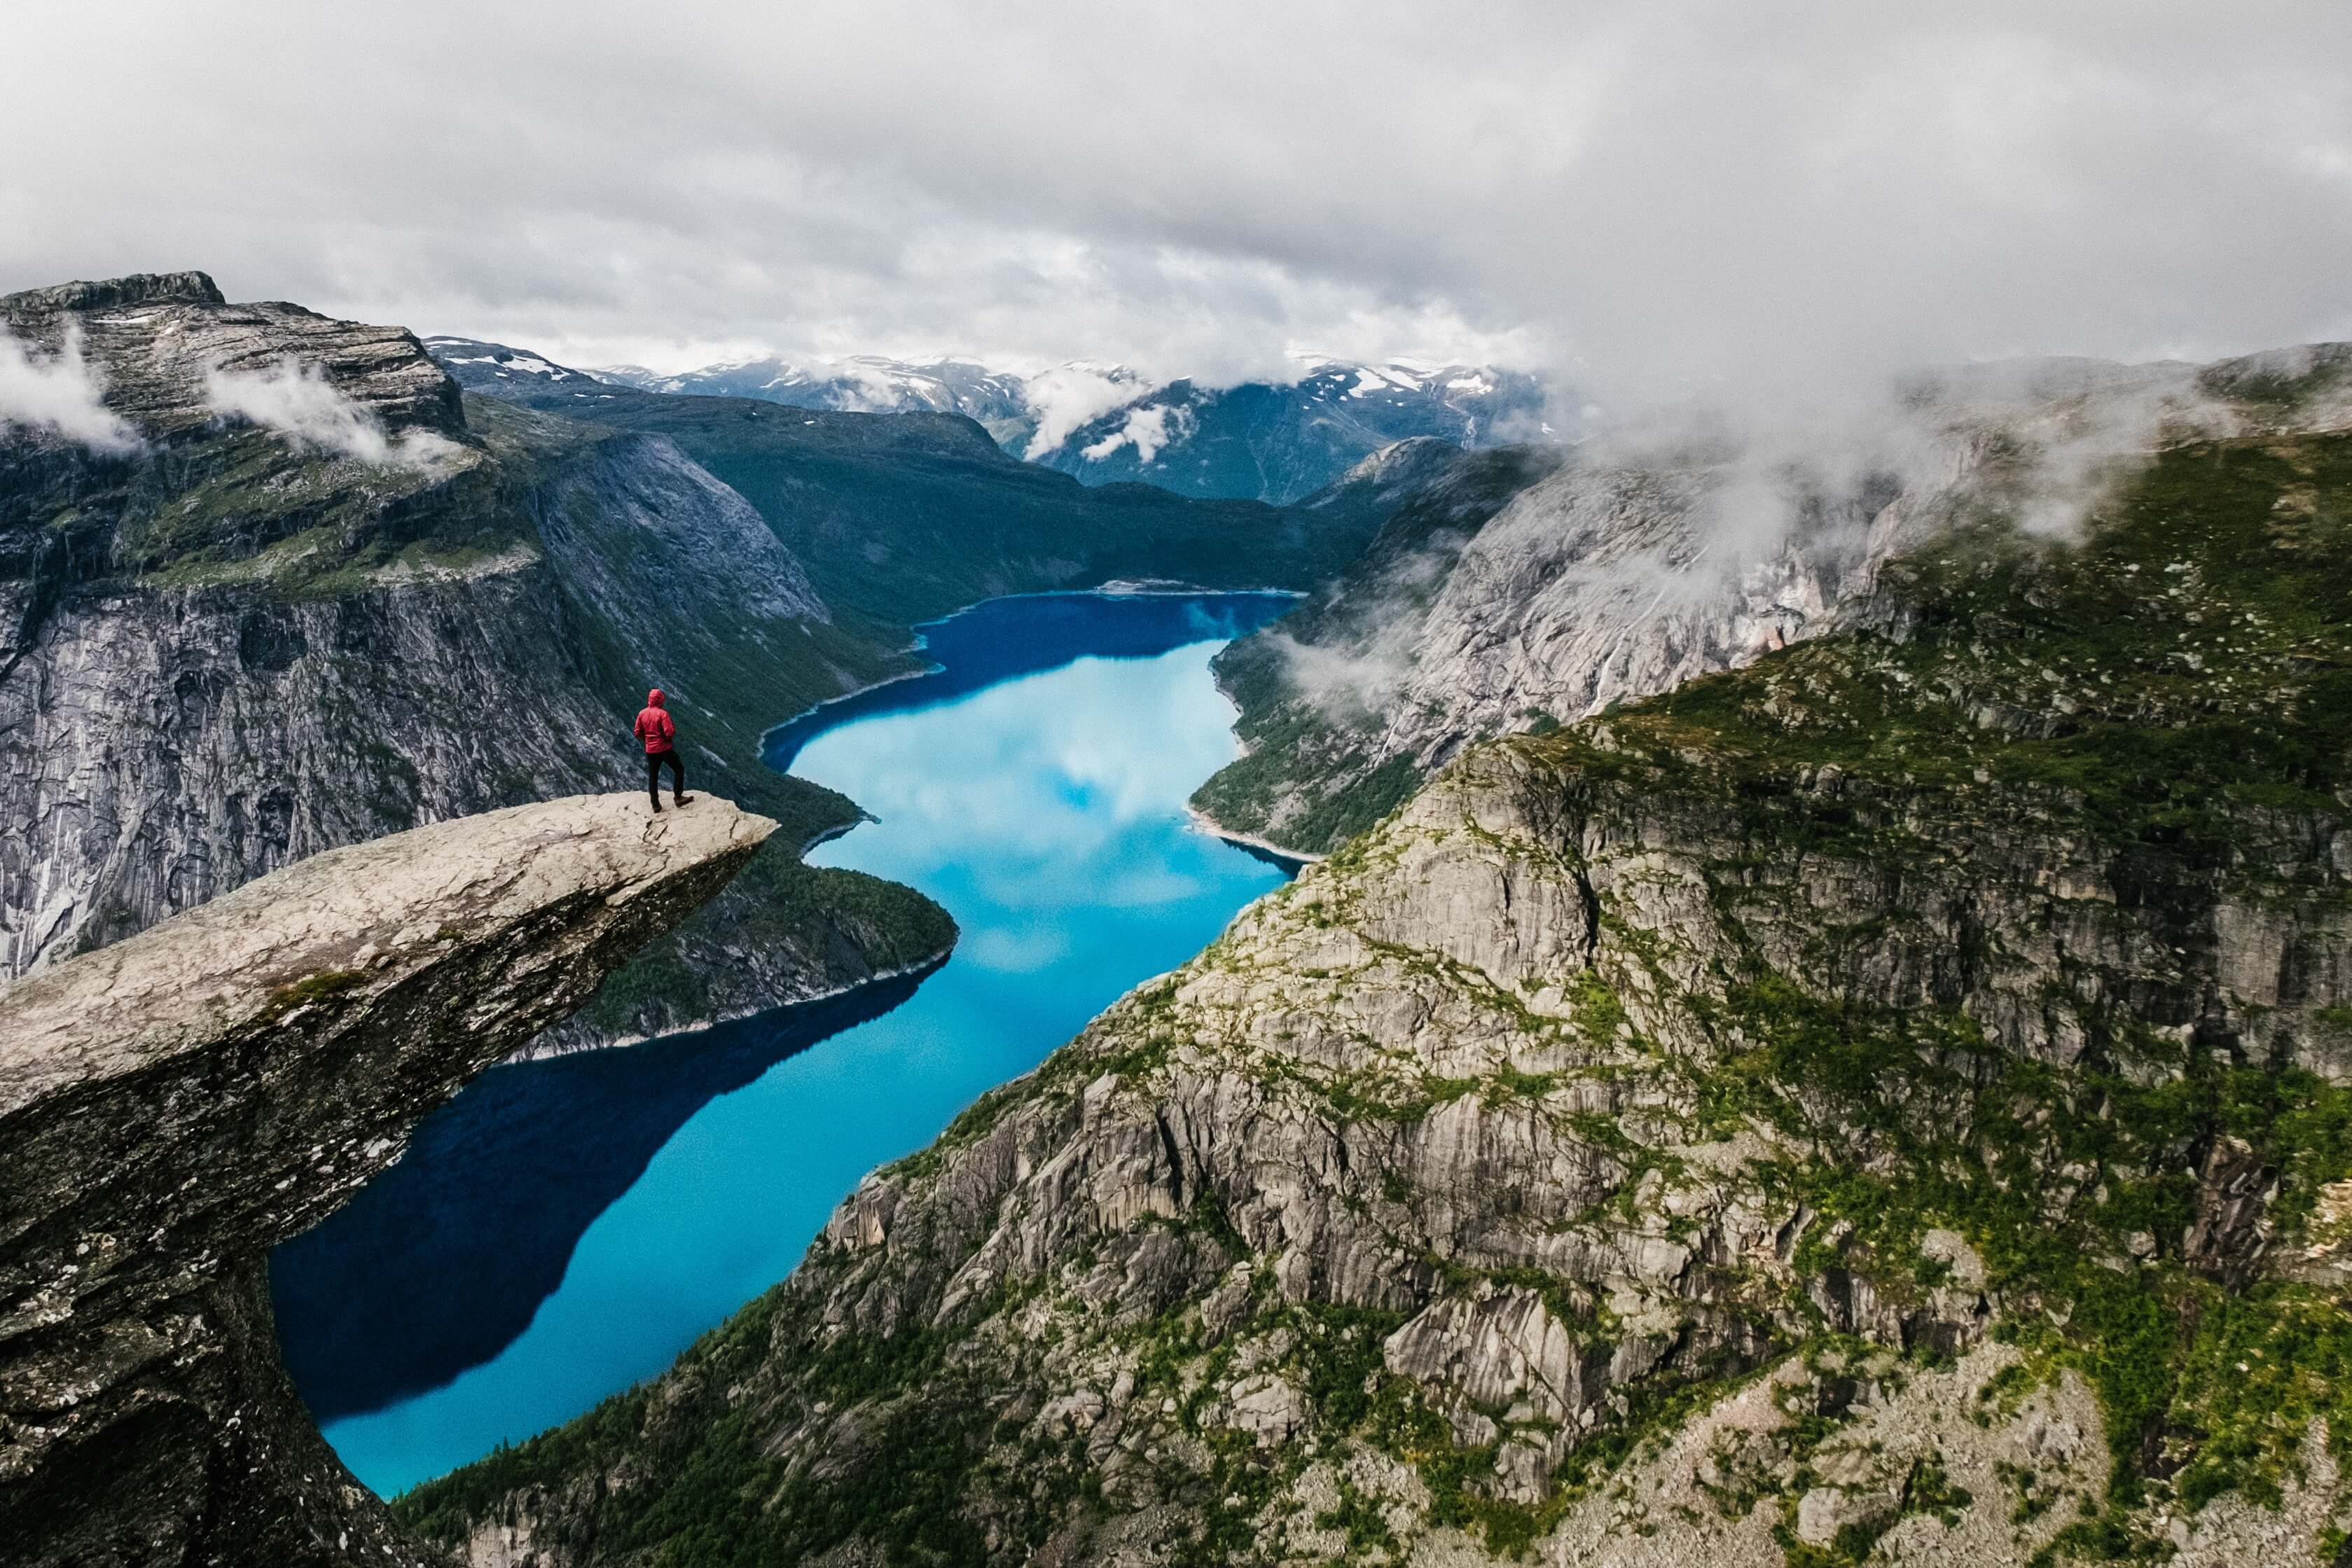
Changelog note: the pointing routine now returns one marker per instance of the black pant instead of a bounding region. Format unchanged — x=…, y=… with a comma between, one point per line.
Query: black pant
x=654, y=761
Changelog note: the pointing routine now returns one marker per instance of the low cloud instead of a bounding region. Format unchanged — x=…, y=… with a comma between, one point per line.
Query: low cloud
x=1368, y=651
x=1347, y=684
x=873, y=391
x=2074, y=432
x=1068, y=396
x=1736, y=528
x=297, y=401
x=58, y=395
x=1146, y=430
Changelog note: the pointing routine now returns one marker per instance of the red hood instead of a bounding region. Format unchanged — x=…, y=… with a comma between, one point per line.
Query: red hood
x=654, y=697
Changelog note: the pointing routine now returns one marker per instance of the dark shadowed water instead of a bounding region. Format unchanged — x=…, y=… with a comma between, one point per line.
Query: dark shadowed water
x=563, y=1228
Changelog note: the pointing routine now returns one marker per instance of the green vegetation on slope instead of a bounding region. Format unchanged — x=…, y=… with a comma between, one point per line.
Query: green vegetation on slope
x=2177, y=690
x=2188, y=663
x=829, y=927
x=904, y=517
x=2164, y=701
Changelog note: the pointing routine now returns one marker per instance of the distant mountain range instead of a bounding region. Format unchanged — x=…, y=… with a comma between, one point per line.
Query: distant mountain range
x=1269, y=441
x=861, y=384
x=1280, y=442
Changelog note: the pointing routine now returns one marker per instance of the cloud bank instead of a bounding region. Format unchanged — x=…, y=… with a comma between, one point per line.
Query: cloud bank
x=1644, y=198
x=298, y=402
x=60, y=395
x=1709, y=520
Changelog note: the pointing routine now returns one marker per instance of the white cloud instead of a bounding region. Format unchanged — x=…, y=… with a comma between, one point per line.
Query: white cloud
x=1647, y=198
x=1676, y=525
x=298, y=402
x=1067, y=397
x=58, y=395
x=1146, y=430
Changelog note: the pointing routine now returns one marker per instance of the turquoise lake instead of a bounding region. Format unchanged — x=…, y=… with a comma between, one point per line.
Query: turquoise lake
x=563, y=1228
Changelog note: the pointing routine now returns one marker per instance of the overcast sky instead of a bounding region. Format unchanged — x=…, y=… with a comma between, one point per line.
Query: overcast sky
x=1641, y=197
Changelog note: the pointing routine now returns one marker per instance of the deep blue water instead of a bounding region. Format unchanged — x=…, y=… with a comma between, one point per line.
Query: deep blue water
x=563, y=1230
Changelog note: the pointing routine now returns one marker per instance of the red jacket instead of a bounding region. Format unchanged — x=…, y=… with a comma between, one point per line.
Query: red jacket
x=653, y=726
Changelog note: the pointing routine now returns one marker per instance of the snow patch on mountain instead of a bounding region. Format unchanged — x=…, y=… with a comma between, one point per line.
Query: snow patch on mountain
x=1276, y=440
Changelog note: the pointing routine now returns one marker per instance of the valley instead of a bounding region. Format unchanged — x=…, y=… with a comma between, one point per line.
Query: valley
x=1816, y=1042
x=1875, y=1102
x=604, y=1211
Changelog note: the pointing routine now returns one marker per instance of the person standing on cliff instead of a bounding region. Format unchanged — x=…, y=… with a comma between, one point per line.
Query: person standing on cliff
x=660, y=732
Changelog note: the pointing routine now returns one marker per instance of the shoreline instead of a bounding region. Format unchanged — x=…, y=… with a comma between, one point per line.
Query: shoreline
x=760, y=746
x=1117, y=587
x=839, y=830
x=527, y=1053
x=1204, y=822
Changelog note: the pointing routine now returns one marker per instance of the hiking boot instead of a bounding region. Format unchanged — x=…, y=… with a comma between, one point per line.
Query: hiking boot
x=681, y=800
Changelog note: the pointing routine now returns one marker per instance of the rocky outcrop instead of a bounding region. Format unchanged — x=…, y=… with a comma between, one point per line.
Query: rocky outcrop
x=1877, y=1102
x=156, y=340
x=1612, y=581
x=176, y=1104
x=241, y=643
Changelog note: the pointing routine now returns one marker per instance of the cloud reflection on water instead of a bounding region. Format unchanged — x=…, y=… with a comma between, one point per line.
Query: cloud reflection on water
x=1046, y=812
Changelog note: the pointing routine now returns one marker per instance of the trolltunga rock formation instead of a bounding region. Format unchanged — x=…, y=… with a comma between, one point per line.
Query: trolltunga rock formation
x=174, y=1105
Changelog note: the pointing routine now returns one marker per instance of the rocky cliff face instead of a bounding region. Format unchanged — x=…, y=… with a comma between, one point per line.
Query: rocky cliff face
x=355, y=607
x=176, y=1104
x=1603, y=583
x=1886, y=1103
x=157, y=339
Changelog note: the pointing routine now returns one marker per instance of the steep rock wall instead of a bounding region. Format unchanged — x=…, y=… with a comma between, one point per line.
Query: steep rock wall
x=235, y=646
x=174, y=1105
x=1888, y=1098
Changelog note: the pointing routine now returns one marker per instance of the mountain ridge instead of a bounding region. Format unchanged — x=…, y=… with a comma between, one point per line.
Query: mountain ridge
x=1273, y=441
x=880, y=507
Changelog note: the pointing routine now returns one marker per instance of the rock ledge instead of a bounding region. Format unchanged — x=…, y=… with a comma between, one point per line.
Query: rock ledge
x=174, y=1105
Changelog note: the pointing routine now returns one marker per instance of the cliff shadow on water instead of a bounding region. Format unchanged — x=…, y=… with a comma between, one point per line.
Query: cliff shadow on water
x=493, y=1195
